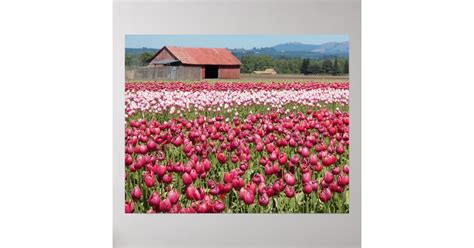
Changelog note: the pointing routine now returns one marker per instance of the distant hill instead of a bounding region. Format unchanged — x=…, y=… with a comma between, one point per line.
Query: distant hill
x=327, y=48
x=295, y=47
x=299, y=50
x=136, y=51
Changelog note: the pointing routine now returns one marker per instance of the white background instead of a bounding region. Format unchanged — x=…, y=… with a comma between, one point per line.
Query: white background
x=56, y=124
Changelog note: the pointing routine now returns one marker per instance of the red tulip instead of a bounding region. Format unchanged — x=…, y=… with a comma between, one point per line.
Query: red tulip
x=328, y=177
x=318, y=167
x=295, y=159
x=314, y=184
x=128, y=159
x=203, y=208
x=128, y=207
x=276, y=168
x=143, y=149
x=289, y=191
x=187, y=179
x=178, y=141
x=193, y=174
x=154, y=199
x=268, y=169
x=161, y=170
x=189, y=192
x=173, y=196
x=325, y=195
x=307, y=188
x=175, y=209
x=289, y=179
x=236, y=183
x=228, y=177
x=259, y=147
x=305, y=152
x=320, y=147
x=343, y=180
x=165, y=205
x=340, y=149
x=248, y=198
x=136, y=193
x=151, y=145
x=221, y=158
x=270, y=147
x=346, y=169
x=219, y=206
x=313, y=160
x=282, y=159
x=167, y=178
x=263, y=200
x=306, y=177
x=329, y=160
x=257, y=178
x=149, y=180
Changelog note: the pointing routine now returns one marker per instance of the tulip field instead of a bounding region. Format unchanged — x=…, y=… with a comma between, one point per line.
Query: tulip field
x=237, y=147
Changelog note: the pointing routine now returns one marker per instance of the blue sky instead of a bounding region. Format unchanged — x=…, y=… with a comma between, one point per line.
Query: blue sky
x=228, y=41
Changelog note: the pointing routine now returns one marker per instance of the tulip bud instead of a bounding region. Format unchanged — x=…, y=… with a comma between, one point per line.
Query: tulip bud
x=149, y=180
x=154, y=199
x=173, y=196
x=340, y=149
x=305, y=152
x=128, y=207
x=289, y=191
x=328, y=177
x=151, y=145
x=219, y=206
x=263, y=200
x=343, y=180
x=128, y=159
x=187, y=179
x=136, y=193
x=346, y=169
x=307, y=188
x=306, y=177
x=325, y=195
x=165, y=205
x=221, y=158
x=289, y=179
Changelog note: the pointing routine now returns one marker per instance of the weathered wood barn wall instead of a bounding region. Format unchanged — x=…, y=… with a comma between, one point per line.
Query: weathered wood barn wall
x=178, y=73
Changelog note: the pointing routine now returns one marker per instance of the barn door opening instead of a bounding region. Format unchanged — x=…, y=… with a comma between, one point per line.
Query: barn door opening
x=211, y=71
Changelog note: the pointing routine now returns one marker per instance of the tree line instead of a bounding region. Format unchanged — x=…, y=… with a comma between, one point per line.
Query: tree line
x=251, y=63
x=141, y=59
x=335, y=66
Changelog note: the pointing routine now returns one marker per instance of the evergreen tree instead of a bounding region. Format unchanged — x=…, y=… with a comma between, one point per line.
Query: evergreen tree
x=327, y=67
x=346, y=66
x=315, y=68
x=128, y=60
x=145, y=58
x=305, y=67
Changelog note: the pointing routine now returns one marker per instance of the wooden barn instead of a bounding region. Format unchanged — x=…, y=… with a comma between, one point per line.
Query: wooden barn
x=211, y=62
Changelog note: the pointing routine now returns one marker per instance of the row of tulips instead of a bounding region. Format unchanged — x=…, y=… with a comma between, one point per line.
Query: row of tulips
x=182, y=97
x=268, y=161
x=232, y=86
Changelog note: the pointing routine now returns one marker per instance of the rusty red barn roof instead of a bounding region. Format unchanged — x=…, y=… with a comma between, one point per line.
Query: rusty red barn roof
x=202, y=56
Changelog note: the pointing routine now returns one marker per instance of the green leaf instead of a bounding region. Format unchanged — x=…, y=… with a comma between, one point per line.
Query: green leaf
x=270, y=205
x=292, y=203
x=277, y=203
x=299, y=198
